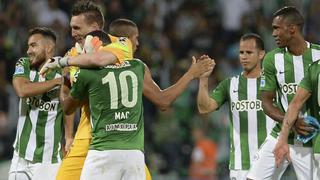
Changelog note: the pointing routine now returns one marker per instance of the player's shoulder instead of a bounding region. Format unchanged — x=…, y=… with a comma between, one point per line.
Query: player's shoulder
x=134, y=61
x=314, y=46
x=228, y=80
x=271, y=54
x=315, y=64
x=23, y=61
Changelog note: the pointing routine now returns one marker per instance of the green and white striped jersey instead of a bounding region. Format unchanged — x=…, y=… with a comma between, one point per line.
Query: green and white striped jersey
x=115, y=101
x=282, y=72
x=249, y=124
x=311, y=83
x=39, y=128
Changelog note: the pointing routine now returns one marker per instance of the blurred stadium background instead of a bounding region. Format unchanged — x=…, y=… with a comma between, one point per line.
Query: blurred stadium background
x=171, y=31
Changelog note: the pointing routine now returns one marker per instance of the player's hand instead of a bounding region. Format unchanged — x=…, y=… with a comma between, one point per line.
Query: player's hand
x=68, y=145
x=301, y=127
x=281, y=151
x=78, y=48
x=201, y=67
x=53, y=63
x=91, y=44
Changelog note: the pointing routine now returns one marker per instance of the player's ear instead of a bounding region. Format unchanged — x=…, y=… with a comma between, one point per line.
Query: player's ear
x=50, y=47
x=95, y=25
x=293, y=28
x=261, y=54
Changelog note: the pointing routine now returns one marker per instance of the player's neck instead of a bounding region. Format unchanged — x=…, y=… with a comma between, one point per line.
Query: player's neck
x=297, y=46
x=254, y=73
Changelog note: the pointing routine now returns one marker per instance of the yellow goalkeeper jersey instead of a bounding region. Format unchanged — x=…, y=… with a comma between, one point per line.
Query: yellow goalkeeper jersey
x=120, y=47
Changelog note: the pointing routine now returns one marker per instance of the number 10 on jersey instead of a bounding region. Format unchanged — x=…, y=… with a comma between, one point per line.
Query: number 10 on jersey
x=122, y=79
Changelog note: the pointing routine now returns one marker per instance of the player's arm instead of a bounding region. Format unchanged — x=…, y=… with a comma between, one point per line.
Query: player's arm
x=204, y=102
x=164, y=98
x=68, y=130
x=96, y=59
x=69, y=104
x=294, y=108
x=25, y=88
x=115, y=52
x=281, y=150
x=268, y=88
x=269, y=108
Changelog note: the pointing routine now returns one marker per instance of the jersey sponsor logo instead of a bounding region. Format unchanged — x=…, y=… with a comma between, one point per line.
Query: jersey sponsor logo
x=122, y=65
x=245, y=105
x=290, y=88
x=42, y=105
x=19, y=70
x=121, y=127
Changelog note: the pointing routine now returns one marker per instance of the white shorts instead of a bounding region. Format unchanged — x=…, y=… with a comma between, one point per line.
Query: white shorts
x=238, y=174
x=316, y=171
x=114, y=165
x=263, y=165
x=22, y=169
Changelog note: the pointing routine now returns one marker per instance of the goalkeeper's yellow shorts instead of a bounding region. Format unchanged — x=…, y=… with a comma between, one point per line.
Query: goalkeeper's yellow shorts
x=72, y=163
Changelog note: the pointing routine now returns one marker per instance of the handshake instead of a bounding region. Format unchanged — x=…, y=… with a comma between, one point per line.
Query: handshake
x=91, y=44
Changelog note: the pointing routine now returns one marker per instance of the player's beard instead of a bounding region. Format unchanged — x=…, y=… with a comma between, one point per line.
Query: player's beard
x=37, y=60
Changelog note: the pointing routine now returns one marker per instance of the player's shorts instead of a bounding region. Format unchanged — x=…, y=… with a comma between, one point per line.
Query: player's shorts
x=72, y=164
x=114, y=165
x=238, y=174
x=316, y=165
x=263, y=166
x=22, y=169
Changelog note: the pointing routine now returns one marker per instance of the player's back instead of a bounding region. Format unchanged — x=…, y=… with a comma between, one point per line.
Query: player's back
x=115, y=100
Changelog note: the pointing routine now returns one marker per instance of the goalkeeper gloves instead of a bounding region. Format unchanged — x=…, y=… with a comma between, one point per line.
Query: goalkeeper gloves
x=53, y=63
x=91, y=44
x=315, y=124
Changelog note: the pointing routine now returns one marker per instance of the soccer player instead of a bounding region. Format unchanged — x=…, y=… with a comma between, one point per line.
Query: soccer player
x=162, y=98
x=283, y=69
x=115, y=99
x=37, y=148
x=308, y=90
x=249, y=124
x=86, y=17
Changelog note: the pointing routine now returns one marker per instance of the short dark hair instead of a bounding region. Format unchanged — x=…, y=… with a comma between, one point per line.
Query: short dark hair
x=291, y=15
x=119, y=27
x=91, y=12
x=103, y=36
x=256, y=37
x=45, y=32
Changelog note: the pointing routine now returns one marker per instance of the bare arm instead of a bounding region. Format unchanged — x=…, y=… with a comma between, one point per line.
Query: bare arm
x=164, y=98
x=25, y=88
x=96, y=59
x=68, y=130
x=205, y=103
x=69, y=104
x=281, y=149
x=269, y=109
x=276, y=114
x=293, y=110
